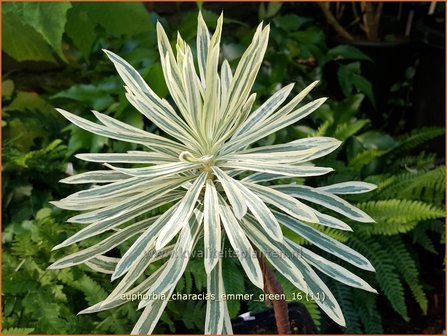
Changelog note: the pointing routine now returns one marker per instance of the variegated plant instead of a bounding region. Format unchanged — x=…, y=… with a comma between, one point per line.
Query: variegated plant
x=195, y=168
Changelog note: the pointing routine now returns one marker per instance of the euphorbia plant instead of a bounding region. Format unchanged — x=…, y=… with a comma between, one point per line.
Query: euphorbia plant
x=196, y=170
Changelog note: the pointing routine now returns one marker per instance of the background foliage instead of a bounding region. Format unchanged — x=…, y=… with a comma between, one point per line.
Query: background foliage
x=52, y=57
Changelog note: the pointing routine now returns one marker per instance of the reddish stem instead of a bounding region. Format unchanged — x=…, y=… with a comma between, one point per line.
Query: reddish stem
x=272, y=286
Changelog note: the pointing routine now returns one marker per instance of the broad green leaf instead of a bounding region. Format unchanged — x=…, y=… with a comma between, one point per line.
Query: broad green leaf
x=47, y=18
x=22, y=42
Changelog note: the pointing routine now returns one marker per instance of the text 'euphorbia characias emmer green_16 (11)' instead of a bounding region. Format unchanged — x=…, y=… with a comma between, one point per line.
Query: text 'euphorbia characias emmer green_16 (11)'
x=195, y=168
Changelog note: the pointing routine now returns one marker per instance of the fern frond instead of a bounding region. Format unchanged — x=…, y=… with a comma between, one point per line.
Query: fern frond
x=323, y=128
x=417, y=137
x=422, y=161
x=427, y=186
x=17, y=331
x=365, y=157
x=407, y=268
x=344, y=296
x=396, y=216
x=386, y=273
x=368, y=311
x=346, y=130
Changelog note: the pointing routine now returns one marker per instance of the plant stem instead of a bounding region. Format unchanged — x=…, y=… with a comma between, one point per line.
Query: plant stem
x=331, y=20
x=272, y=286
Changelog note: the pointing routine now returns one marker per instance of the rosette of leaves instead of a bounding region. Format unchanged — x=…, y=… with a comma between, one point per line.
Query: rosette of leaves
x=195, y=168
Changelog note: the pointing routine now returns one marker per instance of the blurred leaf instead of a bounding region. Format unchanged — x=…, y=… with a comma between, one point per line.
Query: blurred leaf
x=291, y=22
x=268, y=10
x=21, y=41
x=119, y=18
x=156, y=80
x=80, y=29
x=347, y=52
x=81, y=139
x=47, y=18
x=29, y=101
x=7, y=88
x=376, y=140
x=363, y=85
x=20, y=331
x=90, y=94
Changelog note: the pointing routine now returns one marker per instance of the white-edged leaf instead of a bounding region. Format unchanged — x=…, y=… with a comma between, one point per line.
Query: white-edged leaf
x=352, y=187
x=215, y=310
x=265, y=110
x=332, y=222
x=211, y=226
x=102, y=264
x=119, y=209
x=141, y=157
x=130, y=295
x=155, y=171
x=103, y=246
x=325, y=242
x=145, y=240
x=176, y=264
x=96, y=176
x=271, y=125
x=150, y=140
x=231, y=188
x=151, y=314
x=182, y=214
x=140, y=265
x=202, y=43
x=148, y=103
x=107, y=224
x=280, y=169
x=241, y=245
x=330, y=268
x=226, y=76
x=284, y=202
x=296, y=270
x=327, y=200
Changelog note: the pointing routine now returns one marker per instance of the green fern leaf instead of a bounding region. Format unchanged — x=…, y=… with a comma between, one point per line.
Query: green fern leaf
x=20, y=331
x=417, y=138
x=386, y=273
x=396, y=216
x=407, y=268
